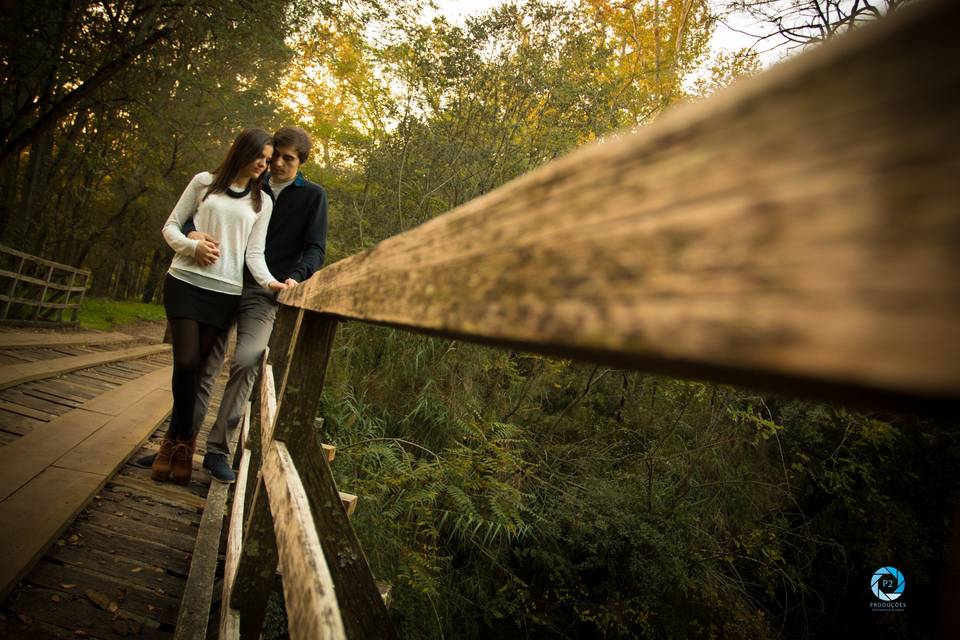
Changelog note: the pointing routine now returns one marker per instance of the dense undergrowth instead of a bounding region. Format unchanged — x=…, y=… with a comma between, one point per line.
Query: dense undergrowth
x=508, y=494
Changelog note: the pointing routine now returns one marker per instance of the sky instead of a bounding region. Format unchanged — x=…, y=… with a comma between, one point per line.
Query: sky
x=724, y=38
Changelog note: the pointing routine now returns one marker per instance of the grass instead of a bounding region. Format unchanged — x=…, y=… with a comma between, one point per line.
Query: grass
x=106, y=314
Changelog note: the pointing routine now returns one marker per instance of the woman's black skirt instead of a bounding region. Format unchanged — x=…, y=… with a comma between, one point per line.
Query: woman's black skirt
x=184, y=300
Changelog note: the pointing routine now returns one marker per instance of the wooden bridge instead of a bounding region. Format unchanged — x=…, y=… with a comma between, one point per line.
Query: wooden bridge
x=799, y=233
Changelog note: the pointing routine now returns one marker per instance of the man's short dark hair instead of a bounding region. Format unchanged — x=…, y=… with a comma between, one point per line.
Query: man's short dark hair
x=293, y=137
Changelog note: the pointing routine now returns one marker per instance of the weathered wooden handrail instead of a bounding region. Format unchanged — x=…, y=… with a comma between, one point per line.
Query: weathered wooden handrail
x=31, y=283
x=279, y=513
x=799, y=231
x=802, y=228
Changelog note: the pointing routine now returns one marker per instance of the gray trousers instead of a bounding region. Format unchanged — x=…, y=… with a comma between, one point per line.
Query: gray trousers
x=254, y=322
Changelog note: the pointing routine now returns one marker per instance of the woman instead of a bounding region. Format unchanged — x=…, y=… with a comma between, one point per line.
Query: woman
x=200, y=295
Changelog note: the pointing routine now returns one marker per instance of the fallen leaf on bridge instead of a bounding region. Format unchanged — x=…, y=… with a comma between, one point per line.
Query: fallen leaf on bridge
x=102, y=601
x=125, y=627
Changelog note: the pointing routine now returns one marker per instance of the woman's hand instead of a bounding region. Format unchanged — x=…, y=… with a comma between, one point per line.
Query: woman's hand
x=278, y=286
x=208, y=249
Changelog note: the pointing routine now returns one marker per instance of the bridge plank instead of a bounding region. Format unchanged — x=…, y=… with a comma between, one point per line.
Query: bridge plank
x=116, y=565
x=12, y=374
x=135, y=598
x=75, y=611
x=21, y=340
x=170, y=494
x=35, y=515
x=118, y=410
x=194, y=612
x=724, y=241
x=194, y=615
x=49, y=474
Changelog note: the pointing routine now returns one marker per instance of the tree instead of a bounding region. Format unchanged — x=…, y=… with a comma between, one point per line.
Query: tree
x=798, y=23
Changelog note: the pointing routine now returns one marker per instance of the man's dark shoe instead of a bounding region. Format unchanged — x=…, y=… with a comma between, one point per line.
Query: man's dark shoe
x=145, y=462
x=216, y=464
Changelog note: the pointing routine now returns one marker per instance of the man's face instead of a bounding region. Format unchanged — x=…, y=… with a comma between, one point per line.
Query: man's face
x=285, y=164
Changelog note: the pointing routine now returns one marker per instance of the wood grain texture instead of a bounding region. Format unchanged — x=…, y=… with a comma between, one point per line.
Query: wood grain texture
x=35, y=515
x=254, y=436
x=256, y=564
x=194, y=614
x=230, y=618
x=16, y=340
x=268, y=407
x=283, y=343
x=362, y=610
x=256, y=570
x=169, y=493
x=312, y=609
x=12, y=374
x=304, y=374
x=54, y=476
x=802, y=226
x=116, y=401
x=108, y=447
x=349, y=502
x=121, y=412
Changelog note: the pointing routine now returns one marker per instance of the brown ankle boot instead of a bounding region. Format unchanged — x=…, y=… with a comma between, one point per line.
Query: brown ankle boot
x=160, y=469
x=181, y=467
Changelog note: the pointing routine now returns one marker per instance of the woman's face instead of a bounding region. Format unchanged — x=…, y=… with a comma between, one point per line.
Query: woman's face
x=259, y=165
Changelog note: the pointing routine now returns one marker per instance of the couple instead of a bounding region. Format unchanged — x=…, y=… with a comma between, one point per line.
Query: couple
x=223, y=220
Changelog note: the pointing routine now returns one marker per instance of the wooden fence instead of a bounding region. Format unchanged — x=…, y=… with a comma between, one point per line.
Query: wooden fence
x=800, y=233
x=35, y=290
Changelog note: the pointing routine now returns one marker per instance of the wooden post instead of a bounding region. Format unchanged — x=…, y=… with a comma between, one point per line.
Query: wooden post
x=363, y=612
x=66, y=299
x=268, y=407
x=12, y=290
x=83, y=292
x=302, y=379
x=43, y=293
x=253, y=439
x=258, y=564
x=283, y=342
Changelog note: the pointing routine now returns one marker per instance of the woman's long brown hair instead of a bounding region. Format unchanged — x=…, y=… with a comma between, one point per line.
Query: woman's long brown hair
x=246, y=148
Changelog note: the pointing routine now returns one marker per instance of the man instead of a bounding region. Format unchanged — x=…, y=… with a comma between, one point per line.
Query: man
x=295, y=248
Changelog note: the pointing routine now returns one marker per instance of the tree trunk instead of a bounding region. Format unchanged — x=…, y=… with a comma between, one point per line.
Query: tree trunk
x=152, y=286
x=21, y=227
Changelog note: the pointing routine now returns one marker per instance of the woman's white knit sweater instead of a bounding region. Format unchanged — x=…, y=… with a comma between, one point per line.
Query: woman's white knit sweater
x=240, y=230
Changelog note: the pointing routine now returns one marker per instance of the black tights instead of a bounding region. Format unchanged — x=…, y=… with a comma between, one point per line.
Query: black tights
x=192, y=343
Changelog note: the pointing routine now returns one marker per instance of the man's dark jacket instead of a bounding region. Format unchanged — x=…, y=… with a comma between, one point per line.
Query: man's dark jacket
x=297, y=235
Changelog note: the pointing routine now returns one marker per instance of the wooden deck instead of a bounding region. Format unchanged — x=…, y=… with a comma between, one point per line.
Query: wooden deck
x=108, y=551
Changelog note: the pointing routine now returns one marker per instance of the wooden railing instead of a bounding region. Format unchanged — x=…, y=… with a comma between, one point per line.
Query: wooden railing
x=33, y=289
x=799, y=233
x=287, y=510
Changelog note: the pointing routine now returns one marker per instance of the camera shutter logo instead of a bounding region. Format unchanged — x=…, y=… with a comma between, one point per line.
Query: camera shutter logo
x=887, y=583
